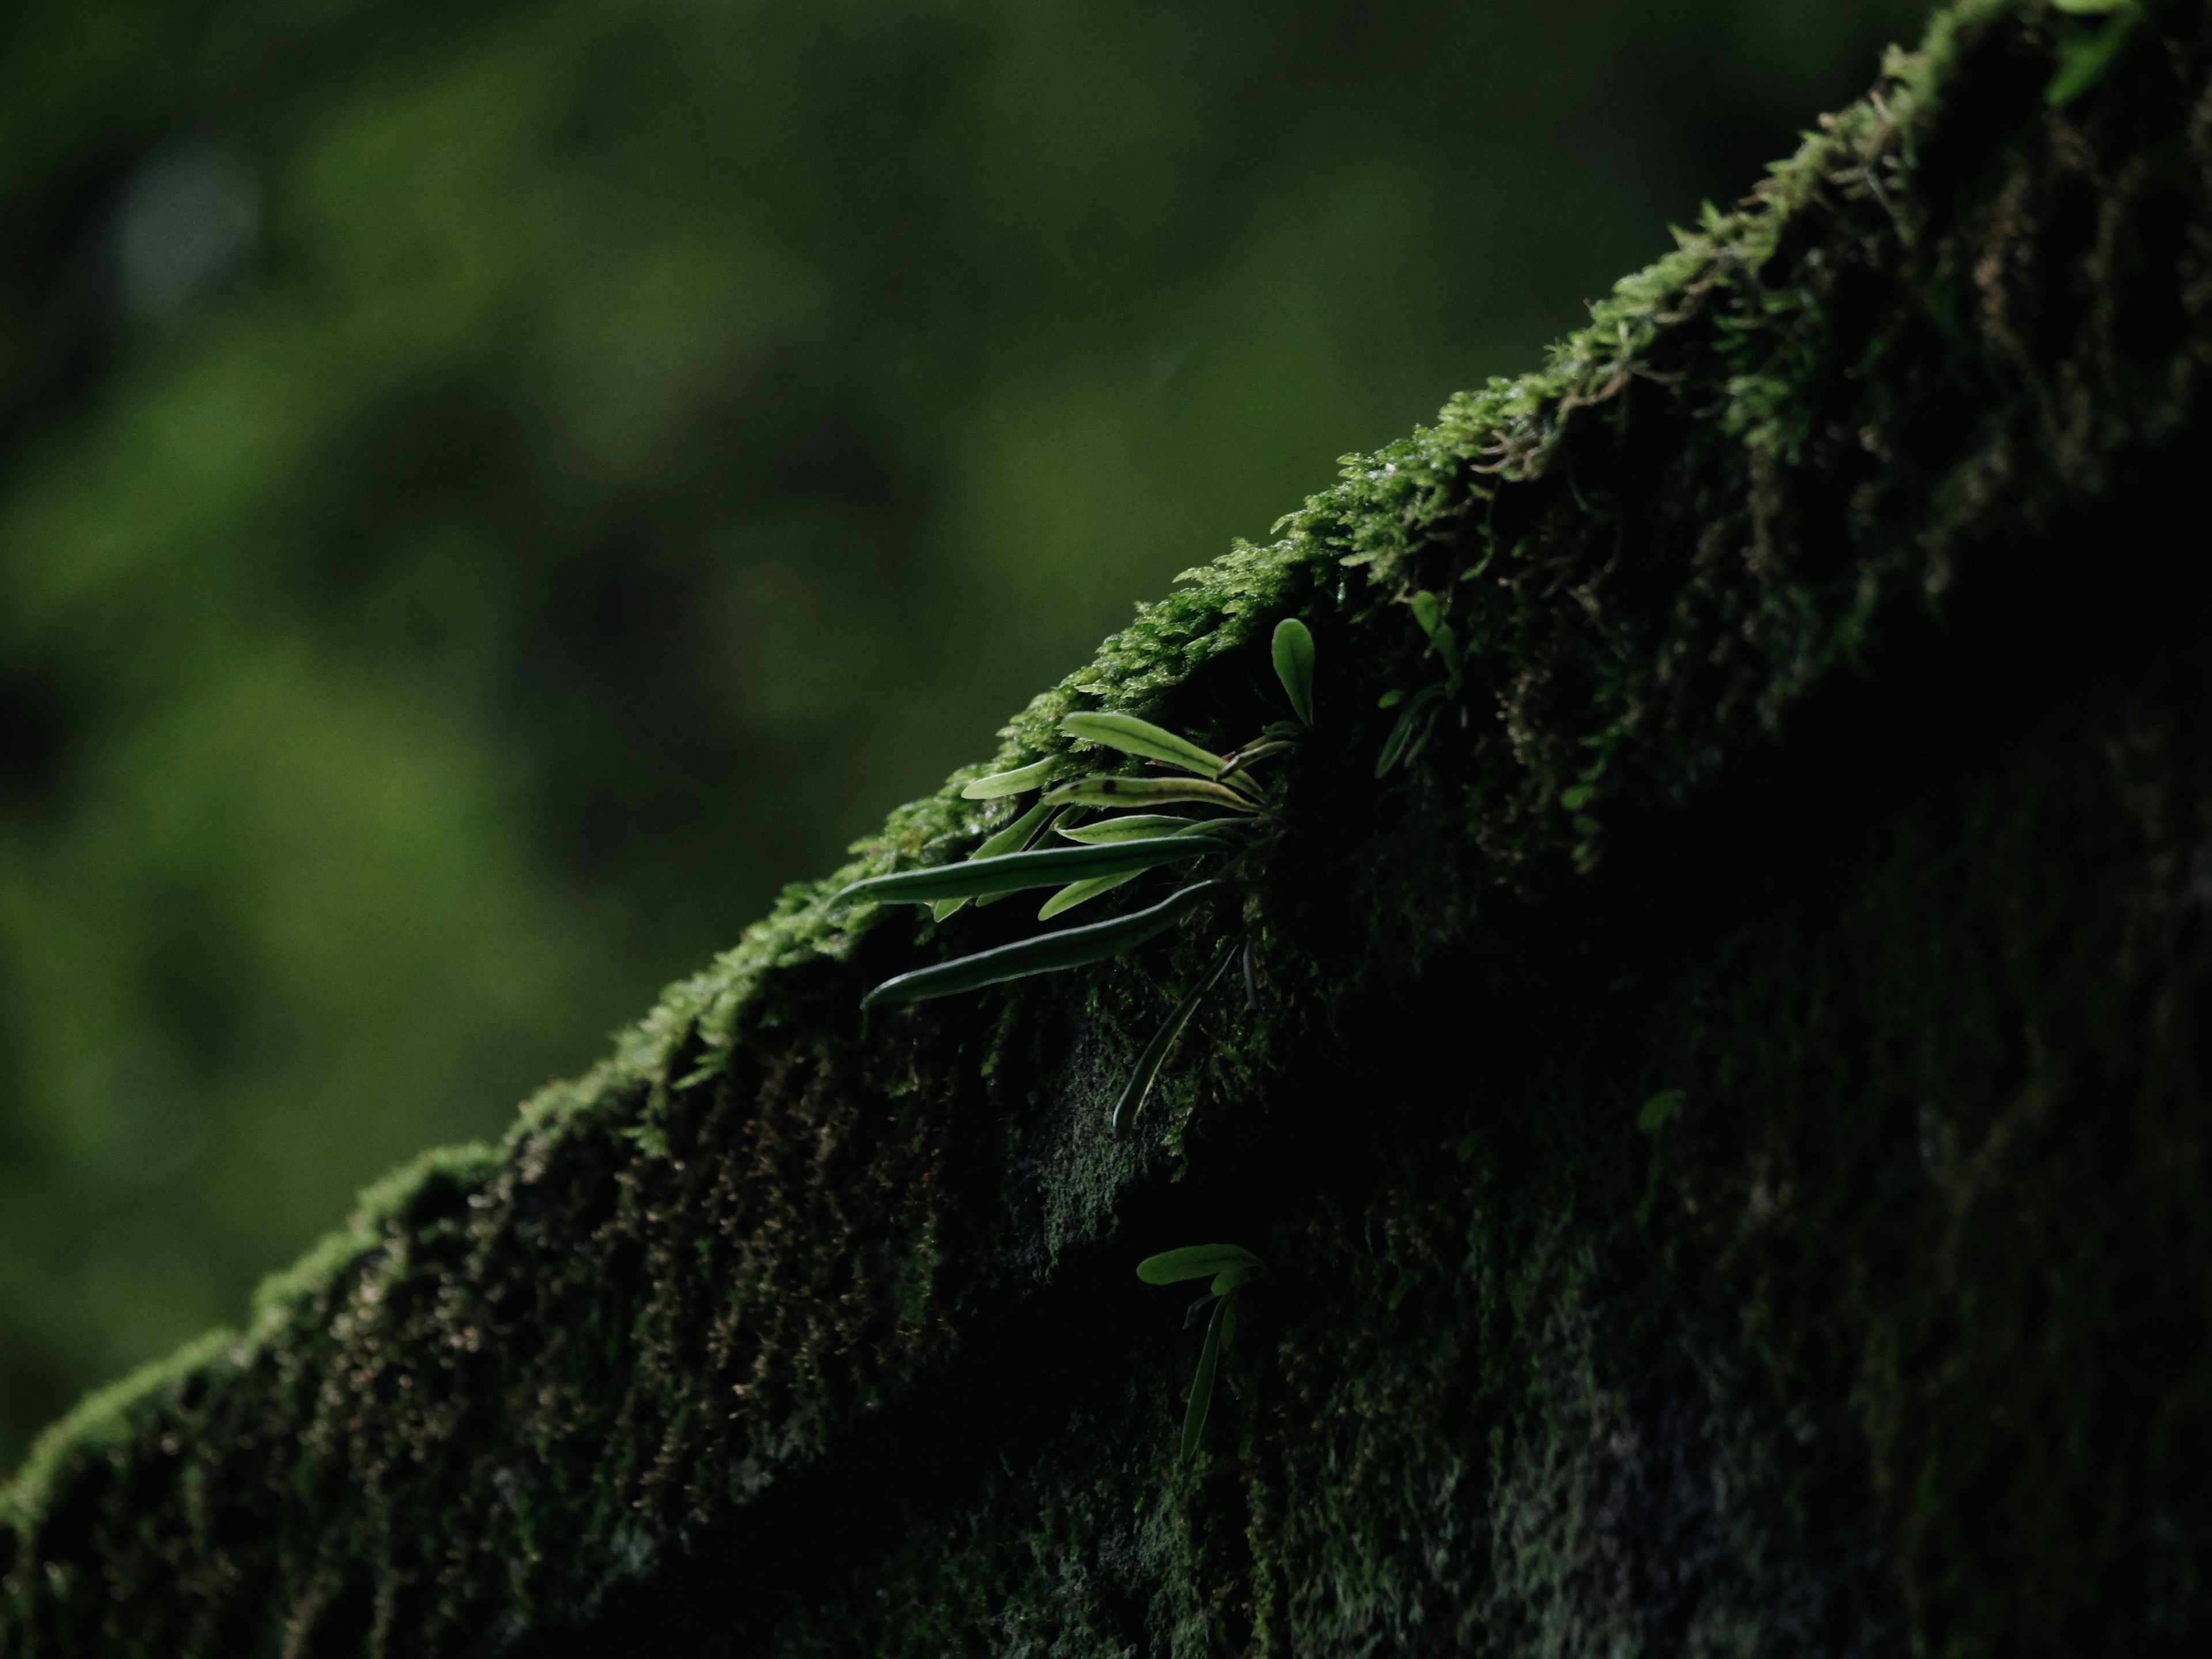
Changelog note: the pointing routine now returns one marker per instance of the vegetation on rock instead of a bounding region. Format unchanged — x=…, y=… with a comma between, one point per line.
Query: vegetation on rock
x=1823, y=748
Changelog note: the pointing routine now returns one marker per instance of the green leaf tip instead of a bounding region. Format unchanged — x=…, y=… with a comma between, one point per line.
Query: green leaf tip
x=1293, y=649
x=1134, y=737
x=2083, y=64
x=1022, y=778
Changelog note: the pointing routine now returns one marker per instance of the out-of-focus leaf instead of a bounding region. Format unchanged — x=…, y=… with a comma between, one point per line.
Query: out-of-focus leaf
x=2083, y=64
x=1659, y=1110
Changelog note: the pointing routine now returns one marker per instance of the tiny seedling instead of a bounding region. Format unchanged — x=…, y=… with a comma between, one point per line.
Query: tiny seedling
x=1232, y=1268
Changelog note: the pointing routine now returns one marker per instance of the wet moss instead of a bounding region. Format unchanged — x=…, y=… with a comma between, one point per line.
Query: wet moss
x=1784, y=745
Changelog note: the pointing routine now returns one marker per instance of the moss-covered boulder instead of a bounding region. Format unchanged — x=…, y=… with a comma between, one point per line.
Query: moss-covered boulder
x=1726, y=1114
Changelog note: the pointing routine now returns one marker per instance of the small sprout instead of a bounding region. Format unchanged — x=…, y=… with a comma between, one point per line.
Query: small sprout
x=1134, y=737
x=1391, y=698
x=1232, y=1268
x=1015, y=782
x=1293, y=652
x=1398, y=1291
x=1149, y=792
x=1575, y=799
x=1046, y=953
x=1659, y=1110
x=1428, y=611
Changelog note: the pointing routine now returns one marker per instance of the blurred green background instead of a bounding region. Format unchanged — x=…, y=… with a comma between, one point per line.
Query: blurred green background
x=488, y=492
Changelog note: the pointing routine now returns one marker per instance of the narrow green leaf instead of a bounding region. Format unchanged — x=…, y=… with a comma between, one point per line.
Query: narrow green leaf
x=1134, y=737
x=1013, y=783
x=1228, y=1323
x=1201, y=1386
x=1575, y=799
x=1136, y=826
x=1011, y=872
x=2090, y=7
x=1046, y=953
x=1076, y=891
x=1194, y=1261
x=1293, y=652
x=1428, y=610
x=1391, y=698
x=1139, y=1086
x=1149, y=792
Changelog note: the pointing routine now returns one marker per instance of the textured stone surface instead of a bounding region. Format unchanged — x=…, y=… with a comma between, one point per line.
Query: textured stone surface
x=1832, y=751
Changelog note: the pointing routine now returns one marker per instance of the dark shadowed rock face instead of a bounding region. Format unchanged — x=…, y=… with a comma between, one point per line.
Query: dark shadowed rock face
x=1728, y=1123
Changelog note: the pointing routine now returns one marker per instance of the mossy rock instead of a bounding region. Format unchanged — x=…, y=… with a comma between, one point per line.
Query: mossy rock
x=1727, y=1121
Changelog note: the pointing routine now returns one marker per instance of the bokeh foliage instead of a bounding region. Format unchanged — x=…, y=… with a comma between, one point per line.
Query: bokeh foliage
x=487, y=492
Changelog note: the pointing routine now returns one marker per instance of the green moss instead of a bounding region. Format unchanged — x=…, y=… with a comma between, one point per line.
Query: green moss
x=1816, y=1366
